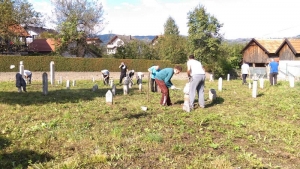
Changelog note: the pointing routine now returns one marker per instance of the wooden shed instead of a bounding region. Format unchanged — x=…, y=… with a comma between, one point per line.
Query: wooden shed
x=258, y=51
x=289, y=50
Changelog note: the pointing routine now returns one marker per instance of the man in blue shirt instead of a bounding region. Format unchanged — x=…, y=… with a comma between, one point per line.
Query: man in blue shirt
x=163, y=80
x=273, y=72
x=153, y=70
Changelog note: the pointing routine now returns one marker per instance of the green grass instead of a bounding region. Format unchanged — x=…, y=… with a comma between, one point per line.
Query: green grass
x=75, y=128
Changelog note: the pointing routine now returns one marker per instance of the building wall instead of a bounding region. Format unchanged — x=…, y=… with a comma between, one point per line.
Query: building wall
x=286, y=53
x=254, y=54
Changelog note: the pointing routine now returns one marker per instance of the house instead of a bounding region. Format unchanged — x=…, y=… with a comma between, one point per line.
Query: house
x=44, y=46
x=289, y=58
x=117, y=41
x=258, y=51
x=35, y=32
x=94, y=41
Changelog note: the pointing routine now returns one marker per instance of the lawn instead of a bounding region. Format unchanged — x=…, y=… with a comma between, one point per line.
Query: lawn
x=75, y=128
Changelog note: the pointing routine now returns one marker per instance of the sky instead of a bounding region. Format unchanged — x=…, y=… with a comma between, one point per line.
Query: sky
x=240, y=18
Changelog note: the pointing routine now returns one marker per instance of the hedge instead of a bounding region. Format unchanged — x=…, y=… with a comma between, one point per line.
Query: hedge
x=62, y=64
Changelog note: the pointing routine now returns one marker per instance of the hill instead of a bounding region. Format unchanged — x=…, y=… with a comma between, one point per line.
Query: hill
x=106, y=37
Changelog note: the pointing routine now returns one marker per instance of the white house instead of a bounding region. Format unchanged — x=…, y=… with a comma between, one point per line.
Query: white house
x=35, y=32
x=117, y=41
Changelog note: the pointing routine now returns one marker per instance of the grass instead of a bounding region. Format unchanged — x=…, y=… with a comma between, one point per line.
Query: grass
x=75, y=128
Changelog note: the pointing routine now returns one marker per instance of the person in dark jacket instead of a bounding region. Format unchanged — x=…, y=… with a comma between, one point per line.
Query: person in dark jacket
x=163, y=80
x=20, y=83
x=124, y=70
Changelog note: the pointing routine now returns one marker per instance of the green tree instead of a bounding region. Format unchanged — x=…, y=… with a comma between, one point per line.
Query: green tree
x=76, y=21
x=170, y=27
x=204, y=39
x=171, y=46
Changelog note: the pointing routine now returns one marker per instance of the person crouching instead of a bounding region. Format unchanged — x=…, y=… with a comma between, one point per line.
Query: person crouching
x=163, y=80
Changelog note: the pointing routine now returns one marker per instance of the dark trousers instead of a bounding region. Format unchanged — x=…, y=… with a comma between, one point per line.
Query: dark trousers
x=122, y=76
x=273, y=76
x=153, y=85
x=105, y=79
x=165, y=96
x=244, y=76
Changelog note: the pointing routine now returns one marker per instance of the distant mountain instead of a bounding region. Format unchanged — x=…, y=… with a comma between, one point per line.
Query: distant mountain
x=106, y=37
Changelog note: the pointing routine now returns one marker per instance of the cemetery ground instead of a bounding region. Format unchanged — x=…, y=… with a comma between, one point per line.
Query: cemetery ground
x=75, y=128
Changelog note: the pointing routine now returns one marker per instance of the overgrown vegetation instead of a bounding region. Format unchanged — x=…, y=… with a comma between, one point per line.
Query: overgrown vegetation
x=75, y=128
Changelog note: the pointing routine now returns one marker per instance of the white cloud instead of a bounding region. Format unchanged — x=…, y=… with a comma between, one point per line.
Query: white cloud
x=241, y=18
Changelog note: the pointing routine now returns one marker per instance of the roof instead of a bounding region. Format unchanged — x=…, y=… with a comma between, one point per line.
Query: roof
x=94, y=39
x=295, y=43
x=42, y=45
x=18, y=30
x=39, y=30
x=124, y=38
x=268, y=45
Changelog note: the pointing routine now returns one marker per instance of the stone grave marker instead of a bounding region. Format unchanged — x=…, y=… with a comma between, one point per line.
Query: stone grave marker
x=228, y=77
x=292, y=81
x=211, y=78
x=68, y=84
x=186, y=98
x=261, y=83
x=52, y=73
x=220, y=84
x=113, y=89
x=212, y=95
x=125, y=86
x=254, y=89
x=74, y=82
x=95, y=87
x=109, y=97
x=21, y=68
x=45, y=83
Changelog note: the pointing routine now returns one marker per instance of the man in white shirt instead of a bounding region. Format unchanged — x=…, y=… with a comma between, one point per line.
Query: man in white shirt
x=245, y=71
x=105, y=75
x=28, y=76
x=196, y=75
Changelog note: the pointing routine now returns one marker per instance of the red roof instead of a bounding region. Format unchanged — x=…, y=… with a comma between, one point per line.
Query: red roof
x=42, y=45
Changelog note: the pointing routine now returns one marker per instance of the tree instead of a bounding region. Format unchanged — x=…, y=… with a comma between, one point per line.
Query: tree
x=171, y=46
x=204, y=39
x=77, y=20
x=170, y=27
x=13, y=14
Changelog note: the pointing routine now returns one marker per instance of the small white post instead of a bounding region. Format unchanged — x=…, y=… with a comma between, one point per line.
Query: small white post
x=52, y=73
x=68, y=84
x=21, y=68
x=125, y=85
x=111, y=82
x=292, y=81
x=254, y=89
x=261, y=83
x=113, y=89
x=74, y=82
x=140, y=87
x=93, y=79
x=109, y=97
x=211, y=78
x=250, y=85
x=220, y=84
x=228, y=77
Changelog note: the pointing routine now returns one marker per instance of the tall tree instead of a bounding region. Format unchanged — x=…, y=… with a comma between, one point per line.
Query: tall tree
x=171, y=46
x=77, y=20
x=204, y=39
x=170, y=27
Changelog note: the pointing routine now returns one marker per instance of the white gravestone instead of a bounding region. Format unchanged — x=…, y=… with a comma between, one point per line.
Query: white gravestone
x=68, y=84
x=93, y=79
x=292, y=81
x=52, y=73
x=111, y=82
x=22, y=68
x=125, y=86
x=74, y=82
x=254, y=89
x=109, y=97
x=261, y=83
x=228, y=77
x=220, y=84
x=211, y=78
x=186, y=103
x=212, y=95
